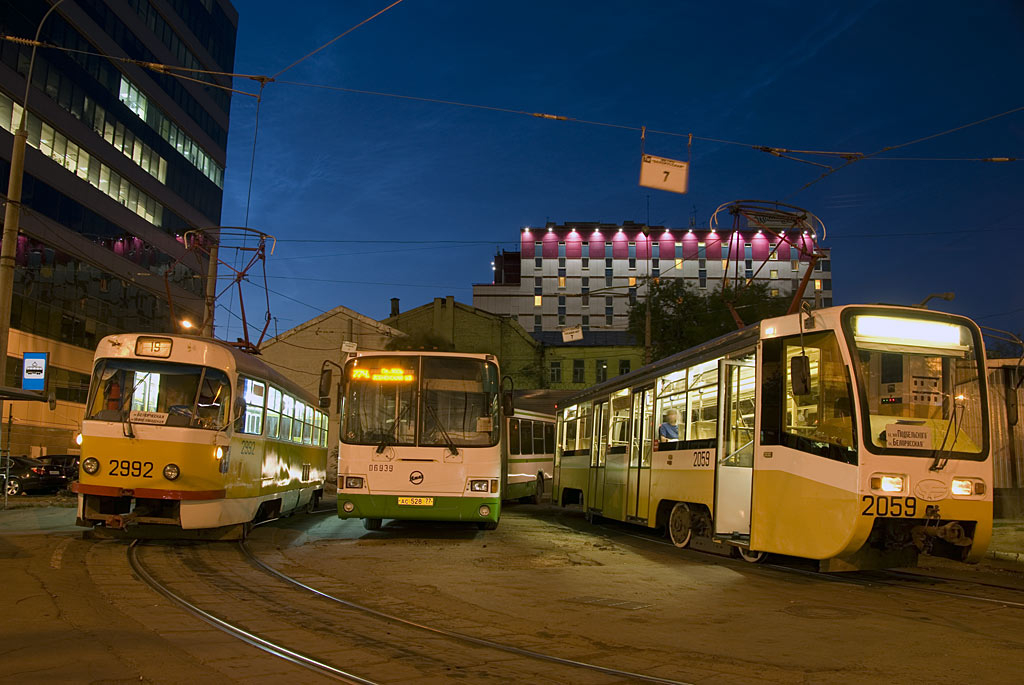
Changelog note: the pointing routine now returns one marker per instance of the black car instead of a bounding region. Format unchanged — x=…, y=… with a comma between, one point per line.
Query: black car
x=67, y=463
x=30, y=475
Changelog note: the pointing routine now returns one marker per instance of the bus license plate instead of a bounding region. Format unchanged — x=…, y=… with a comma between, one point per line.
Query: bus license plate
x=416, y=501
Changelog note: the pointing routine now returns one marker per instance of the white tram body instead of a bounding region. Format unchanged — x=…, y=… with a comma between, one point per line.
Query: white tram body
x=192, y=434
x=855, y=435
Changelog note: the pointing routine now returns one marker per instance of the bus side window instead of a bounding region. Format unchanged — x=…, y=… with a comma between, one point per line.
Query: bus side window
x=513, y=436
x=538, y=437
x=549, y=438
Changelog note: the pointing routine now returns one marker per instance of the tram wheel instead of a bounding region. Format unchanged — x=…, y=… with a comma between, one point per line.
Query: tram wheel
x=680, y=525
x=750, y=556
x=371, y=524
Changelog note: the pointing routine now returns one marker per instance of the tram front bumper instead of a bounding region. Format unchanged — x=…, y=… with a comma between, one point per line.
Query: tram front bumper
x=473, y=509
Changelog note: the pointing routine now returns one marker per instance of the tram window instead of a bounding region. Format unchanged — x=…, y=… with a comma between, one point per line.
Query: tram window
x=538, y=437
x=571, y=427
x=819, y=422
x=618, y=434
x=273, y=411
x=287, y=409
x=307, y=426
x=513, y=436
x=549, y=438
x=300, y=412
x=251, y=399
x=214, y=400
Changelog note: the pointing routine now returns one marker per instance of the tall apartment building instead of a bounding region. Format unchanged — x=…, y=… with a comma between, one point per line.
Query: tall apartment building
x=589, y=274
x=121, y=162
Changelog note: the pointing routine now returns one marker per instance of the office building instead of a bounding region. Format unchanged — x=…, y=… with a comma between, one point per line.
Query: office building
x=121, y=162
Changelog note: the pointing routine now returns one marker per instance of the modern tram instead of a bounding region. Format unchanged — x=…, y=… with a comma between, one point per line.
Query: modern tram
x=857, y=436
x=187, y=435
x=420, y=437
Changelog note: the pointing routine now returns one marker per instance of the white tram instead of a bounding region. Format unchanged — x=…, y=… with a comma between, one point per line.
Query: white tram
x=855, y=435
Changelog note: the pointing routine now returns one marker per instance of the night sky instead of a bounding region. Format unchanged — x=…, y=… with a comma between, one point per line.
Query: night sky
x=332, y=166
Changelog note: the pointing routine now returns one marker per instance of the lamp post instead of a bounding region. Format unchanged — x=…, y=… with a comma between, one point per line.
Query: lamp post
x=12, y=212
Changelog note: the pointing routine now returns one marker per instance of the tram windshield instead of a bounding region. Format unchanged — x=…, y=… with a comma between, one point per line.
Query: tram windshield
x=160, y=393
x=457, y=404
x=920, y=386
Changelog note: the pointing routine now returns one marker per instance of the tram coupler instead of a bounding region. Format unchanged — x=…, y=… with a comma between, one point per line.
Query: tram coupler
x=952, y=532
x=121, y=521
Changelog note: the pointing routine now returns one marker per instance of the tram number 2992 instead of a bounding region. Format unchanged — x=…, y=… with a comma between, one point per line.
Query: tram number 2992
x=895, y=507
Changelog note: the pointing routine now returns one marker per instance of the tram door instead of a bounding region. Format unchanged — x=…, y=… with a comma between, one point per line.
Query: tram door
x=598, y=450
x=638, y=491
x=734, y=466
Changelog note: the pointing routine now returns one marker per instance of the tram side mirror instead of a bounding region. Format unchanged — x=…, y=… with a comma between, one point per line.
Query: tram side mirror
x=508, y=406
x=800, y=375
x=325, y=388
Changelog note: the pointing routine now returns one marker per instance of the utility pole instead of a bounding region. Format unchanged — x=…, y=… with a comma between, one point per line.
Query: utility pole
x=647, y=304
x=12, y=212
x=211, y=292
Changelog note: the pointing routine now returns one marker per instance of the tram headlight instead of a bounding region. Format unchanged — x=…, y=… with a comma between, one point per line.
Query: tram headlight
x=479, y=485
x=887, y=483
x=78, y=439
x=91, y=465
x=219, y=453
x=962, y=486
x=171, y=472
x=353, y=483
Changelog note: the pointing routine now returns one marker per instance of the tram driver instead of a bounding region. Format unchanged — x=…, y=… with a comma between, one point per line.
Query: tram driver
x=669, y=430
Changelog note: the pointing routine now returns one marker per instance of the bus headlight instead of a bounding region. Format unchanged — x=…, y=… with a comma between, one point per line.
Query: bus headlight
x=348, y=507
x=479, y=485
x=78, y=439
x=484, y=510
x=887, y=483
x=91, y=465
x=353, y=482
x=171, y=472
x=962, y=486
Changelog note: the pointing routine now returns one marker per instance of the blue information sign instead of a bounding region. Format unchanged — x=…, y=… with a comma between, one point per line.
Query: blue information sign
x=33, y=372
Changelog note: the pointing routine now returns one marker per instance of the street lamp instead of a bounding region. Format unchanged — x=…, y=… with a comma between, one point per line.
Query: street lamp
x=12, y=212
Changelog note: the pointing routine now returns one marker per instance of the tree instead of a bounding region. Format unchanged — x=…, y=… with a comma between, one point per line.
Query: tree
x=683, y=316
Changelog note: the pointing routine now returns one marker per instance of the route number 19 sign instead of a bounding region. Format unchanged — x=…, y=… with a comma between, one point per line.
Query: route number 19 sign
x=664, y=174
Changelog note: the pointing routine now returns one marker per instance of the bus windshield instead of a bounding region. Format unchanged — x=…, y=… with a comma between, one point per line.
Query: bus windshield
x=162, y=393
x=460, y=402
x=920, y=386
x=457, y=404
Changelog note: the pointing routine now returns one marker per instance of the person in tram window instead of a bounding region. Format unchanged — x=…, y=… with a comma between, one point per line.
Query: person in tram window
x=669, y=431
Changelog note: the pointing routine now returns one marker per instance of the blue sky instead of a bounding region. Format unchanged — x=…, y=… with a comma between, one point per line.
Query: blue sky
x=849, y=76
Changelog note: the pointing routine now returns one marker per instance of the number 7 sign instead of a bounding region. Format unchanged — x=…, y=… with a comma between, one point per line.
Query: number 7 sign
x=664, y=174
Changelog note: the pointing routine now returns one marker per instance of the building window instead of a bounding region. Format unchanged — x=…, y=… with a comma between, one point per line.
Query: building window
x=632, y=296
x=538, y=323
x=607, y=263
x=561, y=300
x=608, y=277
x=774, y=254
x=585, y=282
x=538, y=263
x=561, y=281
x=586, y=322
x=774, y=292
x=555, y=372
x=632, y=281
x=702, y=279
x=796, y=265
x=538, y=300
x=561, y=319
x=561, y=262
x=828, y=284
x=774, y=273
x=679, y=263
x=817, y=284
x=586, y=263
x=577, y=371
x=601, y=370
x=624, y=365
x=609, y=319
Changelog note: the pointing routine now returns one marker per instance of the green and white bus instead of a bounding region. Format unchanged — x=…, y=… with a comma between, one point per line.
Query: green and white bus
x=420, y=438
x=529, y=455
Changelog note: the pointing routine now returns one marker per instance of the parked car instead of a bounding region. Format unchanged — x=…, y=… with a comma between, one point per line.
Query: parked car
x=30, y=475
x=68, y=464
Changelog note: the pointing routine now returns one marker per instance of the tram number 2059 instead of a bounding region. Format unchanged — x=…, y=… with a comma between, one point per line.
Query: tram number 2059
x=896, y=507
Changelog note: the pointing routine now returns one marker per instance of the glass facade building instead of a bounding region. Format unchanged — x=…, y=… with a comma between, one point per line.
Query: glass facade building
x=121, y=162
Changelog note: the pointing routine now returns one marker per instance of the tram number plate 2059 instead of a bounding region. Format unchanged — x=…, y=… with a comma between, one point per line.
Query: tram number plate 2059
x=125, y=467
x=893, y=507
x=416, y=501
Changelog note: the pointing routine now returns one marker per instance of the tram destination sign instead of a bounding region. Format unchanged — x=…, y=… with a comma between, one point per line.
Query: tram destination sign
x=905, y=436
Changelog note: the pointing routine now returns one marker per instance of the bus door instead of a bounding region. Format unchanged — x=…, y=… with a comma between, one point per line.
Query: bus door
x=735, y=454
x=598, y=450
x=638, y=491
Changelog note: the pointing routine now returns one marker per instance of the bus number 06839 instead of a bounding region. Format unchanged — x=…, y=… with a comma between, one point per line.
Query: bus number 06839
x=896, y=507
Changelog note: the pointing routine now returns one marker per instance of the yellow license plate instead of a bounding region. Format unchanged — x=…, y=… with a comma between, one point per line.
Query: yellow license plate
x=416, y=501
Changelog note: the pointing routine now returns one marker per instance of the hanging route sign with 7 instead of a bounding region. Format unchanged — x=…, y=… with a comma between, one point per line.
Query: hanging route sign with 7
x=664, y=174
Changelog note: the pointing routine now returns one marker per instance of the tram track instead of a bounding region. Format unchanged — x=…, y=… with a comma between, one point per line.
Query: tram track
x=859, y=579
x=510, y=665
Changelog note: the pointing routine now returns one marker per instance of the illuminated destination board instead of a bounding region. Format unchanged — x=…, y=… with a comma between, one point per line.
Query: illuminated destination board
x=395, y=375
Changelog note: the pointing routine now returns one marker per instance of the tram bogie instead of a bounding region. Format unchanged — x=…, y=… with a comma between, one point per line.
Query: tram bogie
x=857, y=436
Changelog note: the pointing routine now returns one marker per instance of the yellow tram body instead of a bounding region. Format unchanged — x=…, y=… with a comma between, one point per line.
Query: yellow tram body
x=877, y=451
x=243, y=442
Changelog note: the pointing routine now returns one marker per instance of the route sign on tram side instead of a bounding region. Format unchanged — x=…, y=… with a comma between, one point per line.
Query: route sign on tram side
x=664, y=173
